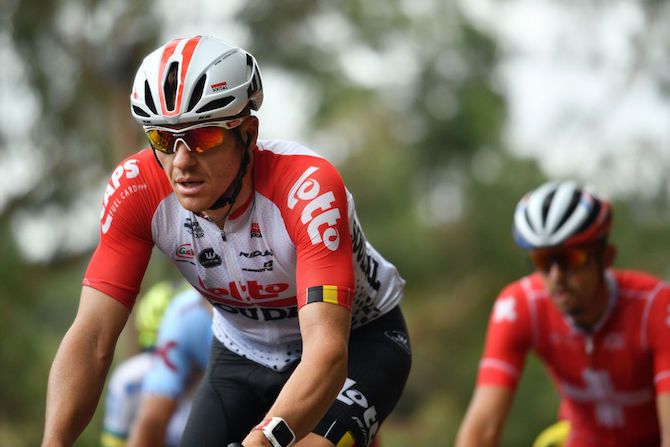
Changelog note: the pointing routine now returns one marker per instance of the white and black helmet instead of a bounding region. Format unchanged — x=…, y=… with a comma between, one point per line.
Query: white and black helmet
x=560, y=214
x=195, y=79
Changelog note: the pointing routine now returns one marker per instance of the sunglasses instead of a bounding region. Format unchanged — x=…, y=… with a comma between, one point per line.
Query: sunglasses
x=566, y=259
x=199, y=137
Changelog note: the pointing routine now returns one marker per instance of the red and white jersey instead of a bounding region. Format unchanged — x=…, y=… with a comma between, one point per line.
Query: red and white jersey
x=297, y=240
x=608, y=378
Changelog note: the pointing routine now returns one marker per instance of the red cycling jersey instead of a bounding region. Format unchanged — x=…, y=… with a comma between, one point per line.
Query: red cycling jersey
x=608, y=378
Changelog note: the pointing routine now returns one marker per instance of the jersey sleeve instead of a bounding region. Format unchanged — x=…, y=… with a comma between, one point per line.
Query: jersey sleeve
x=118, y=264
x=659, y=336
x=313, y=203
x=508, y=339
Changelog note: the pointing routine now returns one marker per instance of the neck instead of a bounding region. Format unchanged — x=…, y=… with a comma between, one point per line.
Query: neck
x=592, y=315
x=219, y=216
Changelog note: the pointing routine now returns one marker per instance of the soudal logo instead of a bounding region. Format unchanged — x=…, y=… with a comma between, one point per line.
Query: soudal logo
x=256, y=253
x=208, y=258
x=251, y=288
x=255, y=230
x=129, y=170
x=260, y=313
x=319, y=212
x=184, y=253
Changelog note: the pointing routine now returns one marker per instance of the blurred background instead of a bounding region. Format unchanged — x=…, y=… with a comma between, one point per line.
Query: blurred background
x=440, y=114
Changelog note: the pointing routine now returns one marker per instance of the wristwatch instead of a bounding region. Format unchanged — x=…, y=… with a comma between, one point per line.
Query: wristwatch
x=277, y=431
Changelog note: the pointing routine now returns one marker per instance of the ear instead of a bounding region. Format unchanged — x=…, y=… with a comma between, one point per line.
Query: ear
x=249, y=131
x=608, y=255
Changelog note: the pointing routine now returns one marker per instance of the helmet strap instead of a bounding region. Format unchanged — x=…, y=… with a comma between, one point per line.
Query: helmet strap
x=236, y=184
x=156, y=157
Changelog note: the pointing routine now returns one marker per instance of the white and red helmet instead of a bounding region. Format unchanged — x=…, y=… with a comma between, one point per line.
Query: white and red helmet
x=560, y=214
x=213, y=80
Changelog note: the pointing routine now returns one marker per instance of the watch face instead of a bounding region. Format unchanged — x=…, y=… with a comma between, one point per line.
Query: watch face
x=282, y=433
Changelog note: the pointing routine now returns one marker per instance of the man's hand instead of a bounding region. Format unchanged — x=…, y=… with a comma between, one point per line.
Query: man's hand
x=256, y=438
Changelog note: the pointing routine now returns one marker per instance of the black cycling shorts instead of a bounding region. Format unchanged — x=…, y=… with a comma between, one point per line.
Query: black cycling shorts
x=236, y=393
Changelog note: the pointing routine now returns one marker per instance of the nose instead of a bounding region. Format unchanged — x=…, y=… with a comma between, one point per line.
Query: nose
x=555, y=271
x=182, y=155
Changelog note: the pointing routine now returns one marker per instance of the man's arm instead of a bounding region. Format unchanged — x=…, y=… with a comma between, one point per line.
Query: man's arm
x=81, y=364
x=485, y=418
x=319, y=376
x=152, y=421
x=663, y=408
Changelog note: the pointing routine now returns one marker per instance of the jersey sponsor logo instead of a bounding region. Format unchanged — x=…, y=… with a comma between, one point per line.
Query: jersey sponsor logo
x=318, y=212
x=255, y=230
x=400, y=338
x=194, y=228
x=259, y=313
x=351, y=396
x=252, y=289
x=505, y=310
x=253, y=254
x=185, y=253
x=208, y=258
x=219, y=86
x=129, y=170
x=267, y=267
x=367, y=263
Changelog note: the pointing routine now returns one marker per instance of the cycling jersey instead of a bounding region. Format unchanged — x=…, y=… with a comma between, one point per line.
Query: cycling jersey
x=608, y=378
x=296, y=240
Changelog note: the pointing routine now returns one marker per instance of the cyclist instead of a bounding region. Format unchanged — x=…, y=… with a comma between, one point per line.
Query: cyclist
x=175, y=336
x=310, y=342
x=182, y=351
x=602, y=333
x=125, y=382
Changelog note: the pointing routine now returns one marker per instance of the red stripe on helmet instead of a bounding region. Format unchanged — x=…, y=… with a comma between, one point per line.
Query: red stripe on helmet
x=167, y=53
x=187, y=55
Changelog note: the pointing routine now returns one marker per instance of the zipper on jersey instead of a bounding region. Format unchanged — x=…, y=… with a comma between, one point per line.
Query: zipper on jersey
x=588, y=345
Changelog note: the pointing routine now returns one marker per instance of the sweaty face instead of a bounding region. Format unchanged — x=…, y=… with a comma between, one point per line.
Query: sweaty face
x=199, y=179
x=574, y=279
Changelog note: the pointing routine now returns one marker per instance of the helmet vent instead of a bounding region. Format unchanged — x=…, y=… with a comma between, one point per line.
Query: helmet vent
x=576, y=197
x=149, y=99
x=197, y=93
x=170, y=86
x=140, y=112
x=592, y=217
x=216, y=104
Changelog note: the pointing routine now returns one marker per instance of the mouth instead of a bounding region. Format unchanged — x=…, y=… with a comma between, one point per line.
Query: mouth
x=189, y=186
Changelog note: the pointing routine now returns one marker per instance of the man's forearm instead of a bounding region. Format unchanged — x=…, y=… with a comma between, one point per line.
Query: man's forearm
x=309, y=392
x=76, y=380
